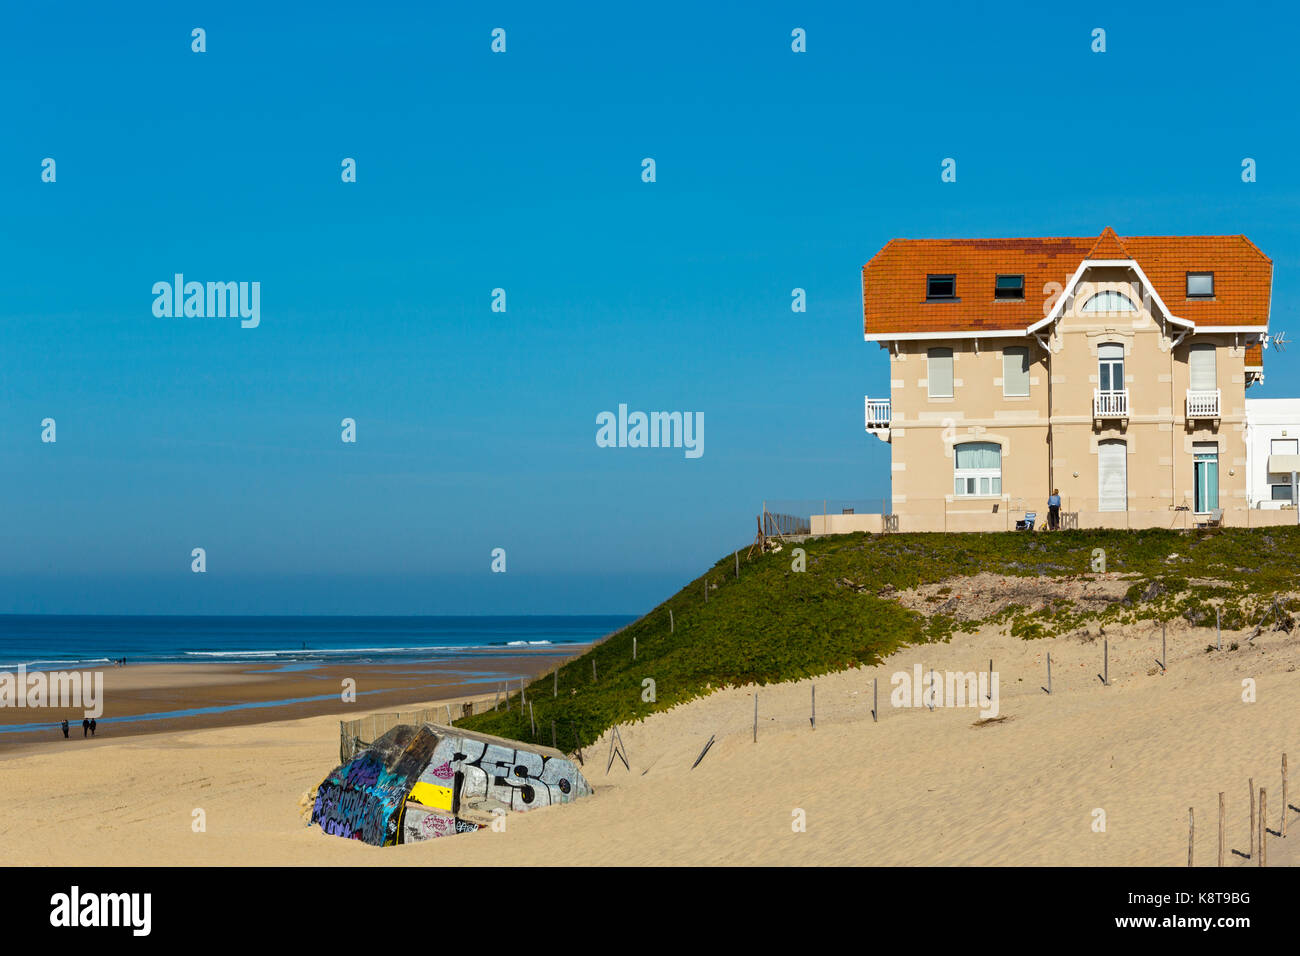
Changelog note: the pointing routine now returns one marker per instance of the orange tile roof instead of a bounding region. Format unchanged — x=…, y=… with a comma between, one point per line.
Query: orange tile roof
x=1108, y=246
x=894, y=281
x=1255, y=355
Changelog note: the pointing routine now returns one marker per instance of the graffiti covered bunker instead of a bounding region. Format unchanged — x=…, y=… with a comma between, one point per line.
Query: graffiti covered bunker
x=418, y=783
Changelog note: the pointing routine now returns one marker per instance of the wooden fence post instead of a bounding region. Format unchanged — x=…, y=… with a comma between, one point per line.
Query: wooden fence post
x=1221, y=828
x=1191, y=834
x=555, y=683
x=1253, y=823
x=1263, y=827
x=671, y=626
x=1282, y=829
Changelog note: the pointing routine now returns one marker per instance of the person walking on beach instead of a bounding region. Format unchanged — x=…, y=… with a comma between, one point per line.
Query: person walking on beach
x=1054, y=510
x=85, y=726
x=65, y=728
x=92, y=726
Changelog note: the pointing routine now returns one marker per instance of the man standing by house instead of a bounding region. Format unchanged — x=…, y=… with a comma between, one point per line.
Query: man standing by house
x=1054, y=510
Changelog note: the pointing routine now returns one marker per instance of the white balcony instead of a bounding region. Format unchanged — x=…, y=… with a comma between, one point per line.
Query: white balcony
x=1110, y=404
x=1203, y=404
x=878, y=413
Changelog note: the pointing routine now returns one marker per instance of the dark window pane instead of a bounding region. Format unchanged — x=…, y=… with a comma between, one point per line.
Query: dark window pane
x=941, y=287
x=1009, y=287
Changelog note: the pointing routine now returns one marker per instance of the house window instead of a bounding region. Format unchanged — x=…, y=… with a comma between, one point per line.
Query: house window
x=939, y=372
x=1110, y=367
x=941, y=287
x=1203, y=376
x=977, y=469
x=1284, y=446
x=1281, y=487
x=1206, y=476
x=1200, y=285
x=1015, y=371
x=1109, y=301
x=1009, y=287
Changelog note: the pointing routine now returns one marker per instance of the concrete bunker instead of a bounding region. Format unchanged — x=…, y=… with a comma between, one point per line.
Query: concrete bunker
x=418, y=783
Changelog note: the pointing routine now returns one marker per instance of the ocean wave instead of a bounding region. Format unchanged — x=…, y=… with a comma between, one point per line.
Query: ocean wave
x=299, y=652
x=43, y=664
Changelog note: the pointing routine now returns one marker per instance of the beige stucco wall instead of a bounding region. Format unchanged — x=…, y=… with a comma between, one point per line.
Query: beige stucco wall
x=1159, y=439
x=845, y=524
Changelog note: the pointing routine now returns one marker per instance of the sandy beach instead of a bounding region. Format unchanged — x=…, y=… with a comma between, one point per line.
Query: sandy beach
x=917, y=787
x=229, y=695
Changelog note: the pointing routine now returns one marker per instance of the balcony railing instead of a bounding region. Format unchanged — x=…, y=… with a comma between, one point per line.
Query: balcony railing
x=877, y=414
x=1203, y=404
x=1112, y=404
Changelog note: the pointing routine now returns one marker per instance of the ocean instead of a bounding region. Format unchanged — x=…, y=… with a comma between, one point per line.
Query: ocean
x=57, y=642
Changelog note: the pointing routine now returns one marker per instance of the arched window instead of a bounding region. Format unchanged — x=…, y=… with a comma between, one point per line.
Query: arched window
x=1109, y=301
x=977, y=468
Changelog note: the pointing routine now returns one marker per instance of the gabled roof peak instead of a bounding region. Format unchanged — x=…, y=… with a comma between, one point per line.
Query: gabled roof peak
x=1108, y=246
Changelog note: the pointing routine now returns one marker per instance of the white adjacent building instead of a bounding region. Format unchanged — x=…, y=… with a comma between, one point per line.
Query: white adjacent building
x=1272, y=452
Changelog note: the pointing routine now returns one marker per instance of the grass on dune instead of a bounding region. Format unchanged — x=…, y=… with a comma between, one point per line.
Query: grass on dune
x=776, y=624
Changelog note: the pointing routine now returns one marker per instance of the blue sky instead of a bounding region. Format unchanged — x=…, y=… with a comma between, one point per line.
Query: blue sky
x=522, y=171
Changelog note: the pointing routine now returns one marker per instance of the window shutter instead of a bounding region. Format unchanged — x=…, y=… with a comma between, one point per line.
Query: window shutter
x=1201, y=361
x=1112, y=476
x=939, y=373
x=1015, y=371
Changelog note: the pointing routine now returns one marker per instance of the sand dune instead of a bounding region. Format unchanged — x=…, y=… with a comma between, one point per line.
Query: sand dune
x=918, y=787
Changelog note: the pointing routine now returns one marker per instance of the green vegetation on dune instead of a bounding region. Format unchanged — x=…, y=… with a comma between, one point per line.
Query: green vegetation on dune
x=775, y=624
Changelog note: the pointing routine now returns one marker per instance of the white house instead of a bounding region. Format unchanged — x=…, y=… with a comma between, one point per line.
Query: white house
x=1272, y=452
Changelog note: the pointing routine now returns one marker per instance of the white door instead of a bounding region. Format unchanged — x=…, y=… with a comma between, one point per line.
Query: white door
x=1112, y=476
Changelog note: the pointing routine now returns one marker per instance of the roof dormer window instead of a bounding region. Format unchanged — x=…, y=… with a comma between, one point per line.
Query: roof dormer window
x=1200, y=285
x=1009, y=287
x=941, y=287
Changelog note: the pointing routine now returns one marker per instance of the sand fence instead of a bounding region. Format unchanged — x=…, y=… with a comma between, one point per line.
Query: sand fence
x=359, y=733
